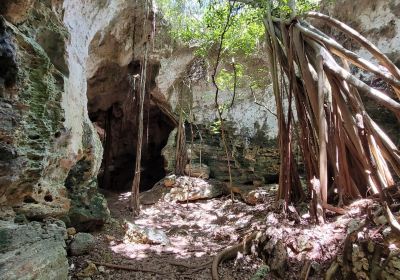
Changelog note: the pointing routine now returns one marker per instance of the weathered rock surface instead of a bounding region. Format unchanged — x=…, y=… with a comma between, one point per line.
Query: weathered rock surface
x=256, y=195
x=88, y=207
x=183, y=189
x=145, y=235
x=251, y=160
x=39, y=144
x=197, y=170
x=155, y=194
x=32, y=133
x=191, y=189
x=33, y=251
x=82, y=243
x=89, y=271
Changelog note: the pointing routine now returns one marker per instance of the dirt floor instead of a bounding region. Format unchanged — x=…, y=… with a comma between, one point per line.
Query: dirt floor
x=197, y=231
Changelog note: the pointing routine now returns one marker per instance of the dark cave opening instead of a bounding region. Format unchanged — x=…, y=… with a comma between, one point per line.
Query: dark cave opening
x=113, y=109
x=8, y=69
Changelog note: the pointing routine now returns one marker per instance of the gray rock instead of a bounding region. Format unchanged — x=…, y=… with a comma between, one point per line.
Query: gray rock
x=82, y=244
x=191, y=189
x=144, y=235
x=197, y=170
x=89, y=208
x=32, y=251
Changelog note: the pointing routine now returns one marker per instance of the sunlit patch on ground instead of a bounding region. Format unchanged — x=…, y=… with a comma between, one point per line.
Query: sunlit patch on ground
x=197, y=231
x=194, y=229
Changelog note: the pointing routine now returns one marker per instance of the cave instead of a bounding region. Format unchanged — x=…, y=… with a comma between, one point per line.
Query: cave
x=113, y=109
x=8, y=70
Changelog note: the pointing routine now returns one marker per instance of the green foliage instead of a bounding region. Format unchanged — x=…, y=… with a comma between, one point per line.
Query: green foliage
x=201, y=23
x=226, y=77
x=243, y=35
x=281, y=8
x=215, y=127
x=261, y=273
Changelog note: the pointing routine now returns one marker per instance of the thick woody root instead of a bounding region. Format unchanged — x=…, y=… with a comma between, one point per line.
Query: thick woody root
x=230, y=253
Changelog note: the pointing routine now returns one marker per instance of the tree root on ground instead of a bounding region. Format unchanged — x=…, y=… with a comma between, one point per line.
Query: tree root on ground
x=331, y=271
x=127, y=267
x=189, y=266
x=230, y=253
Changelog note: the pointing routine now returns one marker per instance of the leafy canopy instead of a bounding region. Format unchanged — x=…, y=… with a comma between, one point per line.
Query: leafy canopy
x=200, y=24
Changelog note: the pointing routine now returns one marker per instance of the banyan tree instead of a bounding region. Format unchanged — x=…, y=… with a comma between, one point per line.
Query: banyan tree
x=318, y=98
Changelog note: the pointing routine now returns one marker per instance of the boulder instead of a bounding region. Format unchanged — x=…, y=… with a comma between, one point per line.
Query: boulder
x=33, y=251
x=89, y=208
x=144, y=235
x=184, y=189
x=153, y=195
x=256, y=195
x=170, y=180
x=190, y=189
x=82, y=243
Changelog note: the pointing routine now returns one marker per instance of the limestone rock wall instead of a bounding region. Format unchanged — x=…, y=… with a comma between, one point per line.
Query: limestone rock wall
x=251, y=128
x=50, y=151
x=32, y=131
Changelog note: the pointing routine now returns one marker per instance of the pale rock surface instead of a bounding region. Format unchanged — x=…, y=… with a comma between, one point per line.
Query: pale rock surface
x=33, y=251
x=144, y=235
x=191, y=189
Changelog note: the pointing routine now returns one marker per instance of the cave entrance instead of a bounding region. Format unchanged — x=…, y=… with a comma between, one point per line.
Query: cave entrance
x=113, y=110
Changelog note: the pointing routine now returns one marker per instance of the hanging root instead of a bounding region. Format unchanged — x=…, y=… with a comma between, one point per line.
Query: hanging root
x=230, y=253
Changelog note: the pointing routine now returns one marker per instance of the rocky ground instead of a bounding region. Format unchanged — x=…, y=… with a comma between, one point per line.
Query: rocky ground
x=178, y=240
x=190, y=233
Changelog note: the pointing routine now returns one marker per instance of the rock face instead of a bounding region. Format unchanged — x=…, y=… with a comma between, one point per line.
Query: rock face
x=250, y=129
x=68, y=77
x=251, y=162
x=33, y=251
x=33, y=136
